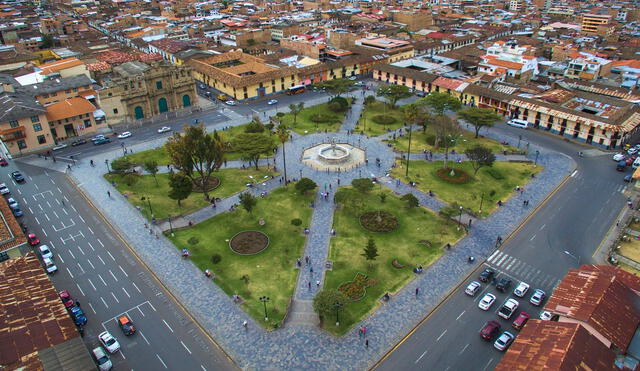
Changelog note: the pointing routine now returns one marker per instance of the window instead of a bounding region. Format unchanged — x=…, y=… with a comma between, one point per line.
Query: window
x=41, y=139
x=37, y=127
x=67, y=91
x=54, y=94
x=115, y=111
x=13, y=123
x=87, y=123
x=75, y=89
x=35, y=118
x=22, y=144
x=158, y=84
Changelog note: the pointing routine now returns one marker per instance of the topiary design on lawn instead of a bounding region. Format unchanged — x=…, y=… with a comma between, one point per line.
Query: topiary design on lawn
x=212, y=184
x=459, y=176
x=357, y=289
x=249, y=242
x=383, y=119
x=379, y=221
x=320, y=117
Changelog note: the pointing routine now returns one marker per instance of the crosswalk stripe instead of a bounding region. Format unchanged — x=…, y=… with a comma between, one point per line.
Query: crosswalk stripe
x=502, y=259
x=509, y=259
x=495, y=253
x=517, y=265
x=514, y=260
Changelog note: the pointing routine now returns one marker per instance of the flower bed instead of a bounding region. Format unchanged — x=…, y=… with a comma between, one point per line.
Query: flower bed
x=459, y=177
x=380, y=221
x=212, y=184
x=356, y=289
x=249, y=242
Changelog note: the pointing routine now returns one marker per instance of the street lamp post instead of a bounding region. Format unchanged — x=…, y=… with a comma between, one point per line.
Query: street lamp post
x=536, y=161
x=408, y=150
x=337, y=305
x=264, y=300
x=481, y=200
x=148, y=199
x=106, y=162
x=300, y=174
x=519, y=139
x=170, y=225
x=460, y=218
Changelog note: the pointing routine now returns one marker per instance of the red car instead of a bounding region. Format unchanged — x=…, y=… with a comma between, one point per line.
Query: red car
x=522, y=319
x=630, y=160
x=3, y=162
x=490, y=330
x=33, y=239
x=66, y=299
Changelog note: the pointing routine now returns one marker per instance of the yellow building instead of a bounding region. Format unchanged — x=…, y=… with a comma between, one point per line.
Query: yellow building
x=592, y=24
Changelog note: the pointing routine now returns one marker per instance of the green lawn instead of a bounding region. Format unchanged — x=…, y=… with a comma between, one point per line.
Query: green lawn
x=469, y=194
x=271, y=272
x=304, y=125
x=232, y=181
x=371, y=128
x=423, y=141
x=402, y=244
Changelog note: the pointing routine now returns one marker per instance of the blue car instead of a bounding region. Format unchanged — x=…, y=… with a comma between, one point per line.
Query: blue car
x=78, y=315
x=17, y=211
x=101, y=141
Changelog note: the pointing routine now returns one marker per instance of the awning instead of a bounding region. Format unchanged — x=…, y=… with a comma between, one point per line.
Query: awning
x=98, y=113
x=12, y=130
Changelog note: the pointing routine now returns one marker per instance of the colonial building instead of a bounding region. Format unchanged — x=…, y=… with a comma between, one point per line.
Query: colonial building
x=135, y=90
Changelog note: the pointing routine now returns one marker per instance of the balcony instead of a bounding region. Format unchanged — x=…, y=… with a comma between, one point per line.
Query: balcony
x=9, y=135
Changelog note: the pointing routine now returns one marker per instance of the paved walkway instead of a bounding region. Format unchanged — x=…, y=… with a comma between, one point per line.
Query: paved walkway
x=299, y=345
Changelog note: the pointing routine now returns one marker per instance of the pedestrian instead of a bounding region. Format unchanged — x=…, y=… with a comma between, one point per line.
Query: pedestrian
x=62, y=201
x=68, y=167
x=618, y=223
x=298, y=262
x=311, y=269
x=306, y=260
x=109, y=194
x=77, y=303
x=524, y=203
x=146, y=225
x=244, y=324
x=417, y=291
x=309, y=285
x=360, y=332
x=317, y=283
x=366, y=343
x=364, y=331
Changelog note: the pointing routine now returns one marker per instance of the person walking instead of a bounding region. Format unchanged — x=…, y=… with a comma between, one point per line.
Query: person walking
x=109, y=194
x=417, y=291
x=317, y=283
x=366, y=343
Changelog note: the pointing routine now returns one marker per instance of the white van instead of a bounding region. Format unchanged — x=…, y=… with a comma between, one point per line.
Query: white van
x=636, y=163
x=518, y=123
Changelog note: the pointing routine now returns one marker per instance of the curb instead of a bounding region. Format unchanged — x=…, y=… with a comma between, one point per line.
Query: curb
x=152, y=273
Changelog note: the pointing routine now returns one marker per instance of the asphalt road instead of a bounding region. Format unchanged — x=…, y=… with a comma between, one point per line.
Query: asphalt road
x=107, y=280
x=563, y=234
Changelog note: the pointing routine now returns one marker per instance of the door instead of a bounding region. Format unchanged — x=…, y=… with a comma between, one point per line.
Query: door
x=162, y=105
x=186, y=101
x=138, y=112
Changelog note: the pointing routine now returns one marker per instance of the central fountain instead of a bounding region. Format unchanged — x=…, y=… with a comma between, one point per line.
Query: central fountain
x=333, y=156
x=334, y=153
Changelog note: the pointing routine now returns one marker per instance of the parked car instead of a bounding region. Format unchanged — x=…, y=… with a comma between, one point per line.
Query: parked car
x=164, y=129
x=353, y=78
x=521, y=289
x=504, y=341
x=508, y=308
x=79, y=318
x=627, y=178
x=101, y=141
x=109, y=342
x=545, y=315
x=3, y=162
x=66, y=299
x=126, y=134
x=17, y=212
x=13, y=203
x=49, y=265
x=504, y=284
x=103, y=361
x=126, y=325
x=98, y=137
x=272, y=101
x=629, y=161
x=4, y=190
x=521, y=320
x=538, y=297
x=33, y=239
x=230, y=103
x=472, y=288
x=17, y=176
x=621, y=166
x=632, y=150
x=45, y=252
x=486, y=275
x=487, y=301
x=59, y=146
x=78, y=142
x=490, y=330
x=518, y=123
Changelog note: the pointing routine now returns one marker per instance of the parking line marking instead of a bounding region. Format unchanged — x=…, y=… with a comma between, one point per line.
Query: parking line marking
x=125, y=291
x=99, y=257
x=60, y=257
x=460, y=315
x=122, y=354
x=82, y=269
x=74, y=209
x=544, y=225
x=54, y=213
x=463, y=349
x=185, y=347
x=141, y=312
x=92, y=285
x=488, y=363
x=113, y=275
x=37, y=221
x=91, y=264
x=70, y=253
x=134, y=285
x=125, y=273
x=94, y=311
x=161, y=361
x=47, y=216
x=80, y=216
x=65, y=212
x=104, y=302
x=152, y=307
x=419, y=358
x=90, y=230
x=166, y=324
x=574, y=173
x=102, y=279
x=91, y=246
x=114, y=297
x=532, y=237
x=144, y=337
x=80, y=289
x=100, y=242
x=114, y=259
x=203, y=369
x=80, y=250
x=441, y=335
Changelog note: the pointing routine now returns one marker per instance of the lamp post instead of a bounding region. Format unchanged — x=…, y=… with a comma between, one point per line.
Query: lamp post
x=337, y=305
x=264, y=300
x=481, y=200
x=124, y=150
x=300, y=174
x=409, y=149
x=170, y=225
x=536, y=161
x=148, y=199
x=106, y=162
x=460, y=218
x=519, y=139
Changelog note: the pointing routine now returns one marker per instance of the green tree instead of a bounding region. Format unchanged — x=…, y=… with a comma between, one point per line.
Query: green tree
x=196, y=154
x=324, y=303
x=252, y=146
x=181, y=187
x=151, y=167
x=248, y=201
x=449, y=212
x=479, y=117
x=369, y=99
x=393, y=93
x=480, y=156
x=370, y=251
x=283, y=134
x=295, y=110
x=47, y=42
x=412, y=113
x=251, y=42
x=336, y=87
x=255, y=126
x=121, y=164
x=304, y=185
x=441, y=102
x=411, y=200
x=447, y=133
x=383, y=197
x=362, y=185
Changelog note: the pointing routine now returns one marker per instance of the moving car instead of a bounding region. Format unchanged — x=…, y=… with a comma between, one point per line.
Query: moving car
x=486, y=275
x=521, y=290
x=78, y=142
x=618, y=157
x=126, y=325
x=109, y=342
x=49, y=265
x=473, y=288
x=101, y=141
x=59, y=146
x=273, y=101
x=126, y=134
x=45, y=252
x=104, y=363
x=504, y=284
x=490, y=330
x=33, y=239
x=487, y=301
x=66, y=299
x=17, y=176
x=230, y=103
x=97, y=137
x=3, y=162
x=4, y=190
x=508, y=308
x=164, y=129
x=521, y=320
x=79, y=318
x=518, y=123
x=503, y=341
x=538, y=297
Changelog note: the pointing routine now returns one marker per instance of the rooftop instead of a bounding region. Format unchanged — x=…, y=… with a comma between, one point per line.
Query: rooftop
x=69, y=108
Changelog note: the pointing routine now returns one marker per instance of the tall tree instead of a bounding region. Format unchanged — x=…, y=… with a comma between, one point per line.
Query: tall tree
x=362, y=185
x=441, y=102
x=248, y=201
x=411, y=200
x=47, y=41
x=370, y=251
x=180, y=187
x=336, y=87
x=252, y=146
x=305, y=185
x=325, y=301
x=283, y=134
x=295, y=110
x=480, y=117
x=151, y=167
x=393, y=93
x=447, y=132
x=196, y=154
x=412, y=114
x=480, y=156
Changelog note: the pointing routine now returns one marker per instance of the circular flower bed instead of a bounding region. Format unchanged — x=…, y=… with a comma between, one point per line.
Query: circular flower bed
x=459, y=176
x=320, y=117
x=383, y=119
x=378, y=221
x=249, y=242
x=212, y=184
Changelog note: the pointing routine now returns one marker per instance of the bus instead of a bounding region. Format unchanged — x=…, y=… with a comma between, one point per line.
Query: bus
x=296, y=89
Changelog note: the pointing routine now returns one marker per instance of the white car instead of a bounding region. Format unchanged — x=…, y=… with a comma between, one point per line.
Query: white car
x=521, y=290
x=126, y=134
x=230, y=103
x=353, y=78
x=109, y=342
x=473, y=288
x=104, y=363
x=98, y=137
x=618, y=157
x=632, y=150
x=273, y=101
x=49, y=265
x=545, y=316
x=59, y=146
x=538, y=297
x=13, y=203
x=4, y=190
x=164, y=129
x=503, y=341
x=508, y=308
x=487, y=301
x=45, y=252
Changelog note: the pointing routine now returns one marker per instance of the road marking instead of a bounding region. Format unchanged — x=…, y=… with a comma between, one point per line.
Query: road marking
x=90, y=230
x=37, y=221
x=463, y=349
x=80, y=216
x=185, y=347
x=104, y=302
x=91, y=246
x=101, y=279
x=54, y=213
x=48, y=204
x=114, y=297
x=91, y=264
x=134, y=285
x=113, y=275
x=125, y=291
x=30, y=210
x=79, y=289
x=47, y=216
x=441, y=335
x=60, y=257
x=125, y=273
x=144, y=337
x=94, y=311
x=65, y=212
x=82, y=269
x=572, y=175
x=70, y=253
x=100, y=242
x=36, y=185
x=494, y=254
x=166, y=324
x=203, y=369
x=122, y=354
x=488, y=363
x=141, y=312
x=532, y=237
x=40, y=206
x=112, y=258
x=419, y=358
x=502, y=259
x=74, y=209
x=92, y=285
x=99, y=257
x=460, y=315
x=152, y=307
x=544, y=225
x=161, y=361
x=80, y=250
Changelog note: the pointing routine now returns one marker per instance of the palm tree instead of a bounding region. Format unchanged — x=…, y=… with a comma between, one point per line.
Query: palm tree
x=283, y=135
x=412, y=114
x=295, y=109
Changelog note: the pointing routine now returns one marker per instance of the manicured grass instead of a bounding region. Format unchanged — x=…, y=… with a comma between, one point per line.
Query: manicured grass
x=630, y=249
x=157, y=154
x=232, y=181
x=469, y=194
x=403, y=244
x=304, y=125
x=269, y=273
x=420, y=141
x=371, y=128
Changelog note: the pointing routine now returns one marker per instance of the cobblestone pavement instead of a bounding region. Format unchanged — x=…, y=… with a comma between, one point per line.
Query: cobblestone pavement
x=297, y=345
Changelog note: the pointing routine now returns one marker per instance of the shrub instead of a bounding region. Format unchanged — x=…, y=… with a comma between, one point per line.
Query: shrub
x=296, y=222
x=495, y=173
x=254, y=127
x=335, y=107
x=383, y=119
x=216, y=258
x=320, y=117
x=344, y=104
x=492, y=192
x=121, y=164
x=430, y=139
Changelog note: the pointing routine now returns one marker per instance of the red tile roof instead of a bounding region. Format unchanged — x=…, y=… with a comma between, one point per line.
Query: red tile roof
x=170, y=45
x=69, y=108
x=447, y=83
